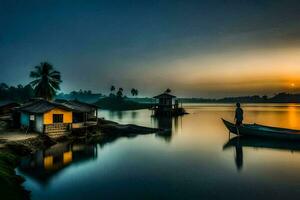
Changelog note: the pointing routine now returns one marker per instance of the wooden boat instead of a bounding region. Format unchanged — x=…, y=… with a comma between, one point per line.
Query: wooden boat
x=263, y=131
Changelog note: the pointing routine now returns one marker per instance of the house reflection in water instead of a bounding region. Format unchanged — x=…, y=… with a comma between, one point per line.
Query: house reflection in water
x=45, y=164
x=169, y=124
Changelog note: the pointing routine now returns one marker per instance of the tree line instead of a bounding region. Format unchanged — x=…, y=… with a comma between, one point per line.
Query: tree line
x=46, y=84
x=16, y=93
x=277, y=98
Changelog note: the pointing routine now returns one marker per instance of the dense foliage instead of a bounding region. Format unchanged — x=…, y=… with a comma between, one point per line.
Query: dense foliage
x=117, y=103
x=81, y=95
x=10, y=183
x=19, y=93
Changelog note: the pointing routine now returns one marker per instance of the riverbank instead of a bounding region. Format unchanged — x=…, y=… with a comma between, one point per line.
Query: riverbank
x=10, y=183
x=25, y=143
x=15, y=144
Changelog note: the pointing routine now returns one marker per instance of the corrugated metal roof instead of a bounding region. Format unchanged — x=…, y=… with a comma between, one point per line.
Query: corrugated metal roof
x=8, y=103
x=40, y=106
x=77, y=107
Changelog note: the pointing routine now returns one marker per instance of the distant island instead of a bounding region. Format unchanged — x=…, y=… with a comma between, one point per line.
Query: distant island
x=116, y=100
x=134, y=103
x=81, y=95
x=114, y=103
x=277, y=98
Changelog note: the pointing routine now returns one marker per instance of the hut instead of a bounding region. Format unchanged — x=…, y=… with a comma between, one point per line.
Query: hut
x=7, y=113
x=6, y=108
x=167, y=105
x=45, y=117
x=55, y=118
x=83, y=114
x=164, y=105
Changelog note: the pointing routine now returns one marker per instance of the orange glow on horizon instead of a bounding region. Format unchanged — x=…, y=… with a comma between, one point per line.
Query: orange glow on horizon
x=256, y=71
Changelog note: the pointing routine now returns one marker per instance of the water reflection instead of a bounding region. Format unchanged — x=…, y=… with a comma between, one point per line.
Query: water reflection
x=43, y=165
x=258, y=143
x=134, y=114
x=144, y=117
x=187, y=163
x=119, y=115
x=169, y=124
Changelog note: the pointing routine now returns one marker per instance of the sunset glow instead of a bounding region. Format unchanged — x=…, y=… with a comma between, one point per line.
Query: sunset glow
x=149, y=99
x=261, y=71
x=246, y=52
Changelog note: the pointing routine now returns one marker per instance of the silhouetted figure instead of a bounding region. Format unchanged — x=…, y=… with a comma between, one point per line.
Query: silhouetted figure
x=238, y=115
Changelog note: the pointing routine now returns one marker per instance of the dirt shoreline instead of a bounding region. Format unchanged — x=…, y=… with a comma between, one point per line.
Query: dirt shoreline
x=31, y=143
x=13, y=147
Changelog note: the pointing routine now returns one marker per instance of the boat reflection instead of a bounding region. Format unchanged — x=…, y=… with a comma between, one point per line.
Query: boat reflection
x=244, y=141
x=43, y=165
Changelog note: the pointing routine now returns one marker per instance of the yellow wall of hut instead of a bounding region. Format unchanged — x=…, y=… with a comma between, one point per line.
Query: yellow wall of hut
x=48, y=116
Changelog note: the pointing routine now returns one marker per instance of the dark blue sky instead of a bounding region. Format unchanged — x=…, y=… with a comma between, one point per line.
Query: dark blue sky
x=151, y=45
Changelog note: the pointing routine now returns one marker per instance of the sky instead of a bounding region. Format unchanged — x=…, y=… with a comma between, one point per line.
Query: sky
x=212, y=48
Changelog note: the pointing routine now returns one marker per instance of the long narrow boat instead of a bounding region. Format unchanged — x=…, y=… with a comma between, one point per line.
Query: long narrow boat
x=263, y=131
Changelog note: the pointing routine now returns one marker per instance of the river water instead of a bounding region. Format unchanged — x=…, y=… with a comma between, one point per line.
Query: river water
x=195, y=159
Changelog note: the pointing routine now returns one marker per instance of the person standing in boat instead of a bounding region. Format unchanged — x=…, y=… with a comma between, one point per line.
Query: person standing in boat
x=238, y=115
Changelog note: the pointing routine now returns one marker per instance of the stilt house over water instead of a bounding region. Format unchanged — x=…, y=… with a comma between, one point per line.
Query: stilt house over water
x=167, y=105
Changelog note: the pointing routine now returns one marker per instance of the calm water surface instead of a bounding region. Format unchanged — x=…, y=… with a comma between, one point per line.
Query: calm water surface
x=196, y=159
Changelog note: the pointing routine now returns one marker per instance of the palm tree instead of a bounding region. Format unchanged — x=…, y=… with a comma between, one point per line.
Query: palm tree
x=120, y=92
x=46, y=81
x=134, y=92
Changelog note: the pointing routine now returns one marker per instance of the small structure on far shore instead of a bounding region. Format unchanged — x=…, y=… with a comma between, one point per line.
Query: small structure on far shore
x=167, y=105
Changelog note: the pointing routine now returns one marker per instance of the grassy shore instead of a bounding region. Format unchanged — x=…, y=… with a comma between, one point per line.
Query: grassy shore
x=11, y=184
